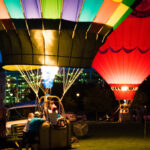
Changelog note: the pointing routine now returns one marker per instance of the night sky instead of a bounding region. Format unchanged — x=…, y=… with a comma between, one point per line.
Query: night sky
x=0, y=57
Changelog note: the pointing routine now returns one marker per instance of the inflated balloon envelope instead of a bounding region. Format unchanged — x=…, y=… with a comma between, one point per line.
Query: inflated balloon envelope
x=64, y=33
x=124, y=60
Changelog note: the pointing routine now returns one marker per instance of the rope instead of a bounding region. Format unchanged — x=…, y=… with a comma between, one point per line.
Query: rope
x=30, y=78
x=70, y=80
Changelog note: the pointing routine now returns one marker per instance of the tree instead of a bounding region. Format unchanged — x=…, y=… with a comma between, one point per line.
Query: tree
x=70, y=105
x=98, y=99
x=140, y=100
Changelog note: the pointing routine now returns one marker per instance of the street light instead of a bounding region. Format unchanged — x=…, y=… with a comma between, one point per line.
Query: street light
x=77, y=94
x=145, y=121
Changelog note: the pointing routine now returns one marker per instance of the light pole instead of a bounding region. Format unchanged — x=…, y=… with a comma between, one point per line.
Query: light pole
x=145, y=122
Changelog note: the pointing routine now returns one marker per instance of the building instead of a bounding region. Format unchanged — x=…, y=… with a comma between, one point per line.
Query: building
x=18, y=90
x=2, y=87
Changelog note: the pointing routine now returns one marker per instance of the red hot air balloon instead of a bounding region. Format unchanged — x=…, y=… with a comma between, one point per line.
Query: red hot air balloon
x=124, y=60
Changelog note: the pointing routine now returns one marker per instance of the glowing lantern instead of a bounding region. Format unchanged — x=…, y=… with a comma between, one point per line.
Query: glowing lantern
x=57, y=32
x=124, y=60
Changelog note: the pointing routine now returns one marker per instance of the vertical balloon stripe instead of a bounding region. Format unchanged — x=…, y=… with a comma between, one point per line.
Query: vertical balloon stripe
x=14, y=8
x=51, y=41
x=8, y=24
x=106, y=10
x=119, y=12
x=3, y=11
x=122, y=18
x=128, y=2
x=37, y=41
x=1, y=26
x=89, y=10
x=51, y=9
x=71, y=9
x=31, y=8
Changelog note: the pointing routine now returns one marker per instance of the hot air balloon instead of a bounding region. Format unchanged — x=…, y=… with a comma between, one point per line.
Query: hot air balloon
x=57, y=33
x=124, y=60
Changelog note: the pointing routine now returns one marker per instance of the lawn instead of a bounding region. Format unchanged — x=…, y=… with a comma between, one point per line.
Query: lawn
x=114, y=136
x=120, y=143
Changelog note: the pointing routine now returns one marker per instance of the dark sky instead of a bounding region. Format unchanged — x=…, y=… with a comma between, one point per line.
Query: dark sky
x=0, y=57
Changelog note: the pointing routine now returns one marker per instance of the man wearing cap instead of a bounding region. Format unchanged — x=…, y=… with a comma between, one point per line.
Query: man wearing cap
x=34, y=128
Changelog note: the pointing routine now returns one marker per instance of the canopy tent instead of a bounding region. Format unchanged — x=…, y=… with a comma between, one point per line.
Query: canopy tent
x=57, y=33
x=124, y=60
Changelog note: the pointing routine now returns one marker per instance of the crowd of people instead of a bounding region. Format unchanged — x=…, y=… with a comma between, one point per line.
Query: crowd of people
x=31, y=131
x=48, y=113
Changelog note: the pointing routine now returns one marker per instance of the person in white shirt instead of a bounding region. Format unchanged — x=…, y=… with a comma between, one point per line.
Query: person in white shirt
x=53, y=114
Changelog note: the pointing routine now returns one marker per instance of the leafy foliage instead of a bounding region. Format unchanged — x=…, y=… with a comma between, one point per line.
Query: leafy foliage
x=98, y=99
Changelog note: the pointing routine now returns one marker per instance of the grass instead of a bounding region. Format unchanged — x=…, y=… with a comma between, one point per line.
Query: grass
x=120, y=143
x=114, y=136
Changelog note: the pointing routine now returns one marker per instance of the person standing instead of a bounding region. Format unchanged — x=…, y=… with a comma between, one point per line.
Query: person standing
x=33, y=130
x=26, y=128
x=52, y=113
x=26, y=131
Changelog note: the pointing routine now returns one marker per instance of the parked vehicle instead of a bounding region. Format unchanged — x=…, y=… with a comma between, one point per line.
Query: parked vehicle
x=71, y=116
x=16, y=120
x=81, y=116
x=76, y=117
